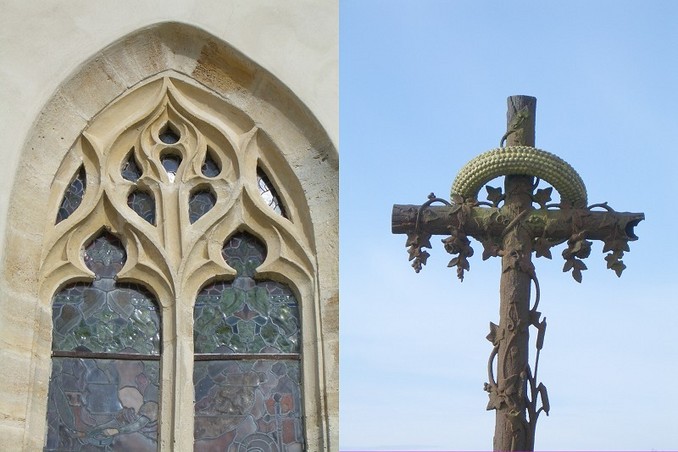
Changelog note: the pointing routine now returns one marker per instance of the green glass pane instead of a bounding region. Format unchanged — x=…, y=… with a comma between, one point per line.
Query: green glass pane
x=105, y=316
x=261, y=318
x=246, y=315
x=101, y=404
x=244, y=253
x=248, y=405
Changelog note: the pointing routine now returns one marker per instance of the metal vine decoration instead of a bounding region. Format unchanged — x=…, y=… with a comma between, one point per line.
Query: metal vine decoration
x=458, y=244
x=513, y=226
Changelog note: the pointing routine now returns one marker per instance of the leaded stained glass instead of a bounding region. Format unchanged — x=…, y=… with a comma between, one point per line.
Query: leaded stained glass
x=103, y=392
x=247, y=369
x=143, y=204
x=248, y=405
x=269, y=194
x=210, y=167
x=246, y=316
x=73, y=195
x=200, y=203
x=102, y=404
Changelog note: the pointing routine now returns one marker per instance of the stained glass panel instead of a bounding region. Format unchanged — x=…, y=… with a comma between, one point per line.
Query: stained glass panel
x=210, y=167
x=246, y=316
x=105, y=317
x=102, y=404
x=248, y=405
x=200, y=203
x=143, y=204
x=103, y=391
x=244, y=253
x=269, y=194
x=73, y=195
x=251, y=401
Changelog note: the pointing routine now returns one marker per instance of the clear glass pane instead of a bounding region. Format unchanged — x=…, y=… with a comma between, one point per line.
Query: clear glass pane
x=73, y=195
x=268, y=193
x=248, y=405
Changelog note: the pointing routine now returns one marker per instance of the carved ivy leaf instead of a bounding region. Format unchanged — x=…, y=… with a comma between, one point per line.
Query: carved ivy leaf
x=490, y=249
x=618, y=268
x=582, y=249
x=496, y=400
x=416, y=242
x=492, y=337
x=419, y=256
x=543, y=196
x=494, y=195
x=418, y=239
x=526, y=265
x=576, y=266
x=542, y=248
x=616, y=244
x=615, y=263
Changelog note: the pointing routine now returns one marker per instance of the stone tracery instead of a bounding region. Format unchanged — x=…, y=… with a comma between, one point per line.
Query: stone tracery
x=173, y=184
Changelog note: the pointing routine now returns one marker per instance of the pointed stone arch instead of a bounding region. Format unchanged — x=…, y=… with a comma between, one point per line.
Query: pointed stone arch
x=221, y=103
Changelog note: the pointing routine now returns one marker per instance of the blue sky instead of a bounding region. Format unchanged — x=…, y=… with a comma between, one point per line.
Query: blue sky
x=423, y=88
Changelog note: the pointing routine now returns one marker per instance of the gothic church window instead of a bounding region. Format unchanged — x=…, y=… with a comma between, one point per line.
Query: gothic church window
x=179, y=222
x=105, y=356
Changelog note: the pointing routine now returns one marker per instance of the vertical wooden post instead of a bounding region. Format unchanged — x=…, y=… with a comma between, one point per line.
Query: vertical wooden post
x=511, y=430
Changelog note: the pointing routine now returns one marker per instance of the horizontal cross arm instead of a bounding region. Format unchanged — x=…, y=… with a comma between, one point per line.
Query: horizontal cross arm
x=556, y=225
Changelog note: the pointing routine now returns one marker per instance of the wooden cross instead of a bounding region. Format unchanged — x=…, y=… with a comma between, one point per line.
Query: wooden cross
x=514, y=231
